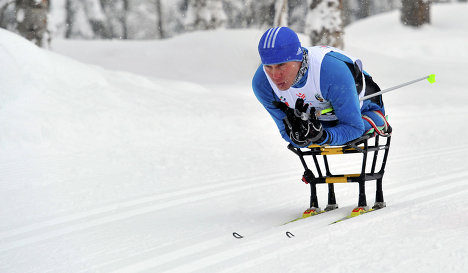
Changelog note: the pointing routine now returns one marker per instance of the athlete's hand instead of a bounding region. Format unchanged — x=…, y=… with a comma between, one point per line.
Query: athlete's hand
x=302, y=127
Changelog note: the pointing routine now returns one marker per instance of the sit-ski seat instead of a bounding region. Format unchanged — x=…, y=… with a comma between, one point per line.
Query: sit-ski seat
x=360, y=145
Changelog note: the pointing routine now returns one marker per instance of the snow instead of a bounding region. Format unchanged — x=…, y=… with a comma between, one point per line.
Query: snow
x=124, y=156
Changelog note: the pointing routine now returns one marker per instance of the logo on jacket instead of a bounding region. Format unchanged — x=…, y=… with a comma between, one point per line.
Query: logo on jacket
x=319, y=98
x=301, y=95
x=283, y=99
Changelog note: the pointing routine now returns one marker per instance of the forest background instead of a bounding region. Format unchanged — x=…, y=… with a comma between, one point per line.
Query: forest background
x=322, y=20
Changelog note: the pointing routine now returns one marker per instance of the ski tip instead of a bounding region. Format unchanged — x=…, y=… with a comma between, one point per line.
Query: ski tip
x=237, y=235
x=431, y=78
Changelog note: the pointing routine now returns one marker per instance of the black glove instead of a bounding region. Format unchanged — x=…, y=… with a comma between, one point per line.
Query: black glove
x=302, y=128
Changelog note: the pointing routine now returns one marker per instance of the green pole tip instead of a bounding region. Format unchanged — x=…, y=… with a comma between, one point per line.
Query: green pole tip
x=431, y=78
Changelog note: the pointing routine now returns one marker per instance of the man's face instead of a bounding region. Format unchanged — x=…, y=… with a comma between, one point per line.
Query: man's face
x=284, y=74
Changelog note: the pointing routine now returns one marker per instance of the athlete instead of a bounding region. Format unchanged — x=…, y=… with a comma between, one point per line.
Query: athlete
x=313, y=93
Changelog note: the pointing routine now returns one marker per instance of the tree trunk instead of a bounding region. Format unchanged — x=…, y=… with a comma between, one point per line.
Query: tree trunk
x=415, y=12
x=123, y=19
x=31, y=18
x=281, y=13
x=159, y=17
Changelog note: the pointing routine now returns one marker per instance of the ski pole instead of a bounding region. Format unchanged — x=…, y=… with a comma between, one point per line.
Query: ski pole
x=430, y=78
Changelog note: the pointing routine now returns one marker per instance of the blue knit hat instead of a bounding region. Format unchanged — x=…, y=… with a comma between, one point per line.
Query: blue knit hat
x=279, y=45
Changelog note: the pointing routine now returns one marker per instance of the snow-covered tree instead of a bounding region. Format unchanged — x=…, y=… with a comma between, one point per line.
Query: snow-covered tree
x=237, y=13
x=172, y=17
x=142, y=20
x=85, y=19
x=354, y=10
x=324, y=24
x=31, y=18
x=205, y=14
x=116, y=12
x=7, y=14
x=415, y=12
x=57, y=23
x=281, y=13
x=262, y=13
x=297, y=14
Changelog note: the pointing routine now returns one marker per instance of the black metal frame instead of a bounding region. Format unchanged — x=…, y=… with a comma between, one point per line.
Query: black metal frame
x=359, y=145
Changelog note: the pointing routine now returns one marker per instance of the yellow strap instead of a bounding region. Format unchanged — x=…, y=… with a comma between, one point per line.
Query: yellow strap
x=340, y=179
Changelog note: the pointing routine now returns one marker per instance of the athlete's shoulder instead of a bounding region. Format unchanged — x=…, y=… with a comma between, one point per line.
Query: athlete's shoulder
x=335, y=62
x=338, y=56
x=335, y=74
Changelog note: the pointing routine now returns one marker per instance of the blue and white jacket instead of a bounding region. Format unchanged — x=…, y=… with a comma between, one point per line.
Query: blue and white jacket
x=327, y=83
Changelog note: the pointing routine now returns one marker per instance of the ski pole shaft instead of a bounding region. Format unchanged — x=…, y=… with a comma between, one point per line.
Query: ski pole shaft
x=430, y=78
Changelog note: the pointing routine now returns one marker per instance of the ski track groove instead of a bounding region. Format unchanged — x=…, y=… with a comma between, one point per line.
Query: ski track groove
x=98, y=216
x=424, y=191
x=120, y=211
x=255, y=242
x=214, y=251
x=123, y=210
x=173, y=256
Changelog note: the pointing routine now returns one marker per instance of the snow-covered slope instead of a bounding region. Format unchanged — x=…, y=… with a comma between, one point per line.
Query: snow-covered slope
x=224, y=56
x=149, y=157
